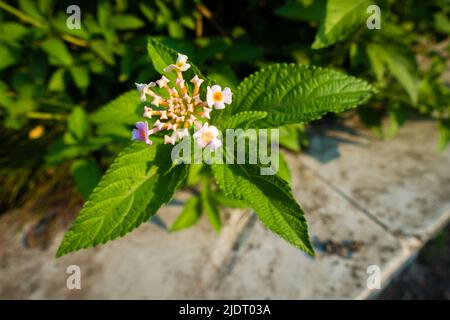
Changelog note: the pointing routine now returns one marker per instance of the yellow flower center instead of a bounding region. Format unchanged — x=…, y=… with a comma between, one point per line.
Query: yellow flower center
x=217, y=96
x=180, y=64
x=207, y=136
x=36, y=132
x=142, y=132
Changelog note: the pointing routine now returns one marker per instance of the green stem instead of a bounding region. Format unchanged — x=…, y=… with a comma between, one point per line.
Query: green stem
x=22, y=16
x=26, y=18
x=341, y=49
x=58, y=104
x=45, y=116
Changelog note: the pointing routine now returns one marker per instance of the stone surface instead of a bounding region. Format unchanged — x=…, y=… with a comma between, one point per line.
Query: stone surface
x=402, y=183
x=149, y=263
x=346, y=243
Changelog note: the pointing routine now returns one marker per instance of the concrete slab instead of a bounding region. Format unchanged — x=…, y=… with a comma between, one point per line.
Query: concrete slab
x=402, y=183
x=346, y=241
x=148, y=263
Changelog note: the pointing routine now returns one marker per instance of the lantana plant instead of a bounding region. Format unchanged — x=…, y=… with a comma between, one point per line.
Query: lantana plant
x=184, y=104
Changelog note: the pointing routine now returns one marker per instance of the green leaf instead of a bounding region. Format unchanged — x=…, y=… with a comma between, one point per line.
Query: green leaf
x=342, y=18
x=86, y=175
x=126, y=22
x=373, y=119
x=57, y=51
x=226, y=201
x=397, y=117
x=9, y=56
x=78, y=124
x=102, y=49
x=244, y=119
x=444, y=134
x=442, y=22
x=194, y=174
x=175, y=29
x=189, y=216
x=140, y=180
x=292, y=136
x=302, y=10
x=209, y=206
x=69, y=148
x=270, y=197
x=188, y=22
x=223, y=74
x=80, y=75
x=29, y=7
x=11, y=31
x=295, y=93
x=56, y=82
x=115, y=117
x=400, y=64
x=103, y=13
x=163, y=56
x=284, y=172
x=147, y=12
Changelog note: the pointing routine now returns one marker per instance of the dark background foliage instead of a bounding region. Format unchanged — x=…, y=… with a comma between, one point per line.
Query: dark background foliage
x=52, y=79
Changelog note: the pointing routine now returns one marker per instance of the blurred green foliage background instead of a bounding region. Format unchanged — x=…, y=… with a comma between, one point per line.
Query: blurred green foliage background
x=54, y=81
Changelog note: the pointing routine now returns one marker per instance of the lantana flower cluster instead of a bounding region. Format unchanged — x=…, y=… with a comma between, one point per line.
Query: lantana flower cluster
x=182, y=110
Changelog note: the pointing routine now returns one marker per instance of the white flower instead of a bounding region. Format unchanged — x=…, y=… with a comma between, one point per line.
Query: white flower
x=163, y=114
x=142, y=89
x=158, y=125
x=156, y=100
x=197, y=99
x=180, y=83
x=206, y=136
x=162, y=82
x=140, y=86
x=197, y=81
x=181, y=109
x=180, y=65
x=191, y=119
x=172, y=126
x=206, y=112
x=218, y=98
x=170, y=140
x=182, y=62
x=148, y=112
x=182, y=133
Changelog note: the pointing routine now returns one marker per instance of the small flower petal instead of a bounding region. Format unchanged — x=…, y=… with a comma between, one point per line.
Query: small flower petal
x=169, y=68
x=169, y=140
x=206, y=112
x=158, y=125
x=219, y=105
x=148, y=112
x=201, y=142
x=180, y=83
x=141, y=132
x=185, y=66
x=162, y=82
x=209, y=96
x=215, y=144
x=182, y=58
x=163, y=114
x=140, y=86
x=227, y=95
